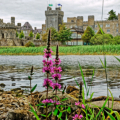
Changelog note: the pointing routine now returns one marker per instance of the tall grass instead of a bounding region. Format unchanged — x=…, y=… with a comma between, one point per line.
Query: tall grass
x=63, y=50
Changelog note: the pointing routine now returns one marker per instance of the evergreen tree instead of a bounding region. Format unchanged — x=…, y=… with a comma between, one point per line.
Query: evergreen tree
x=21, y=35
x=88, y=34
x=99, y=32
x=38, y=36
x=31, y=34
x=112, y=15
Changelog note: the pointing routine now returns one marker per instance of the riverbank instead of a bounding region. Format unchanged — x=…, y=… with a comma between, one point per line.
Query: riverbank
x=63, y=50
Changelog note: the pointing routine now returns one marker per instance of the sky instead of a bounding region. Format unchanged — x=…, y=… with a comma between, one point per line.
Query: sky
x=33, y=11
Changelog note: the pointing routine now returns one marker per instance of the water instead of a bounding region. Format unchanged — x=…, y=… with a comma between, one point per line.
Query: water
x=14, y=72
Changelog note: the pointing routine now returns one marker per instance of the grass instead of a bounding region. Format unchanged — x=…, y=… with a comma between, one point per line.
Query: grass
x=63, y=50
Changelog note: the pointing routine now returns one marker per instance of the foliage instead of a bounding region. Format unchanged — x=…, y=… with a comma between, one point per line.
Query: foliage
x=117, y=39
x=21, y=35
x=88, y=34
x=31, y=34
x=100, y=39
x=64, y=33
x=69, y=50
x=38, y=36
x=17, y=34
x=45, y=36
x=54, y=34
x=29, y=44
x=99, y=32
x=112, y=15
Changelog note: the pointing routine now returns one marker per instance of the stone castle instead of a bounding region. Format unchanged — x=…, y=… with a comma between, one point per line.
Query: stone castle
x=53, y=16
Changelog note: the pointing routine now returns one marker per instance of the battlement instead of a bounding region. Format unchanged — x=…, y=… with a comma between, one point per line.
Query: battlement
x=79, y=17
x=8, y=25
x=91, y=16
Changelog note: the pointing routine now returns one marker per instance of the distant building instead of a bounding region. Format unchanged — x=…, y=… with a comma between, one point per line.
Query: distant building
x=26, y=28
x=8, y=30
x=35, y=31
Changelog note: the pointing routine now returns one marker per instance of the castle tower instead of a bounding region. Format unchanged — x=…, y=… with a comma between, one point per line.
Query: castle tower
x=13, y=20
x=119, y=23
x=80, y=21
x=54, y=18
x=91, y=21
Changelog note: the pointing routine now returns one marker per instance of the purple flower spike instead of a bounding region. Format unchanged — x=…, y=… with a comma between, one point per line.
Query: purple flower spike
x=56, y=76
x=77, y=117
x=83, y=106
x=47, y=101
x=56, y=86
x=47, y=83
x=77, y=103
x=47, y=63
x=57, y=62
x=58, y=70
x=47, y=69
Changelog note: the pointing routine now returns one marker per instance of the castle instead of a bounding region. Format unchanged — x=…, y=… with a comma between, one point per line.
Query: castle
x=53, y=16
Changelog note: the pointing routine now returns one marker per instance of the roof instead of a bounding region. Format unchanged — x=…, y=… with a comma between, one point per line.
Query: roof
x=77, y=29
x=37, y=31
x=27, y=26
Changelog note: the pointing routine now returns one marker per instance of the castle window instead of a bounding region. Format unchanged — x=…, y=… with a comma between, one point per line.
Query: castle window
x=95, y=31
x=107, y=25
x=72, y=20
x=108, y=30
x=95, y=26
x=74, y=35
x=101, y=26
x=2, y=35
x=116, y=25
x=117, y=30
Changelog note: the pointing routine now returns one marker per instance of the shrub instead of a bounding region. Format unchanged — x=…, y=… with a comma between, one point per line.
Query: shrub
x=99, y=39
x=31, y=34
x=38, y=36
x=29, y=44
x=21, y=35
x=117, y=39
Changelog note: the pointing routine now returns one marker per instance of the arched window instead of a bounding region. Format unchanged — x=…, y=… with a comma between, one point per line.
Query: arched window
x=2, y=35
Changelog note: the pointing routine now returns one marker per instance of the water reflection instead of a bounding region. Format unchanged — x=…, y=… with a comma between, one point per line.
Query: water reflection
x=14, y=71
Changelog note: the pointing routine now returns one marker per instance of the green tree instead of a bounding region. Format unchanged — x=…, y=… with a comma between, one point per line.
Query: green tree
x=31, y=34
x=54, y=34
x=21, y=35
x=99, y=32
x=99, y=39
x=112, y=15
x=38, y=36
x=88, y=34
x=17, y=34
x=64, y=33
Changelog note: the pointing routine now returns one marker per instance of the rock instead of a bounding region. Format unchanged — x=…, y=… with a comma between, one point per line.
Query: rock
x=2, y=85
x=15, y=89
x=71, y=89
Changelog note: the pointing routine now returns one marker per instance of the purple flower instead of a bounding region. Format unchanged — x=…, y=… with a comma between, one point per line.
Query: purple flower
x=83, y=106
x=47, y=83
x=56, y=102
x=47, y=101
x=57, y=69
x=57, y=62
x=77, y=117
x=56, y=86
x=77, y=103
x=47, y=54
x=48, y=69
x=47, y=63
x=56, y=76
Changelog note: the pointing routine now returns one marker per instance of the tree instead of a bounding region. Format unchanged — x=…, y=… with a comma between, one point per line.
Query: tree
x=21, y=35
x=88, y=34
x=100, y=39
x=31, y=34
x=17, y=34
x=64, y=33
x=38, y=36
x=112, y=15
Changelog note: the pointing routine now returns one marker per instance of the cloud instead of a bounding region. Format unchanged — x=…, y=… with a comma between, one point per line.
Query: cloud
x=33, y=11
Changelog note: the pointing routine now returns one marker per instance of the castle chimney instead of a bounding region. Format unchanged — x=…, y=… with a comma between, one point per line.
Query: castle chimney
x=19, y=24
x=35, y=28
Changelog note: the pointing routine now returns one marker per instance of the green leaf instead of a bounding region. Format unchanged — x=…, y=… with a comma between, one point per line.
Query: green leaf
x=49, y=104
x=103, y=116
x=102, y=107
x=112, y=118
x=66, y=117
x=117, y=58
x=35, y=114
x=92, y=116
x=77, y=83
x=29, y=78
x=43, y=115
x=69, y=109
x=49, y=114
x=55, y=112
x=112, y=99
x=117, y=115
x=102, y=63
x=64, y=99
x=60, y=115
x=40, y=104
x=50, y=87
x=91, y=95
x=33, y=88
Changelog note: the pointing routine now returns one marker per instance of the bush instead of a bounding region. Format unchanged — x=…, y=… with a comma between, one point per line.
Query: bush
x=117, y=39
x=29, y=44
x=21, y=35
x=98, y=39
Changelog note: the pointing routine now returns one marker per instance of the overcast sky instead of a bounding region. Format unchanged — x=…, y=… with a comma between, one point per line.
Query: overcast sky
x=33, y=11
